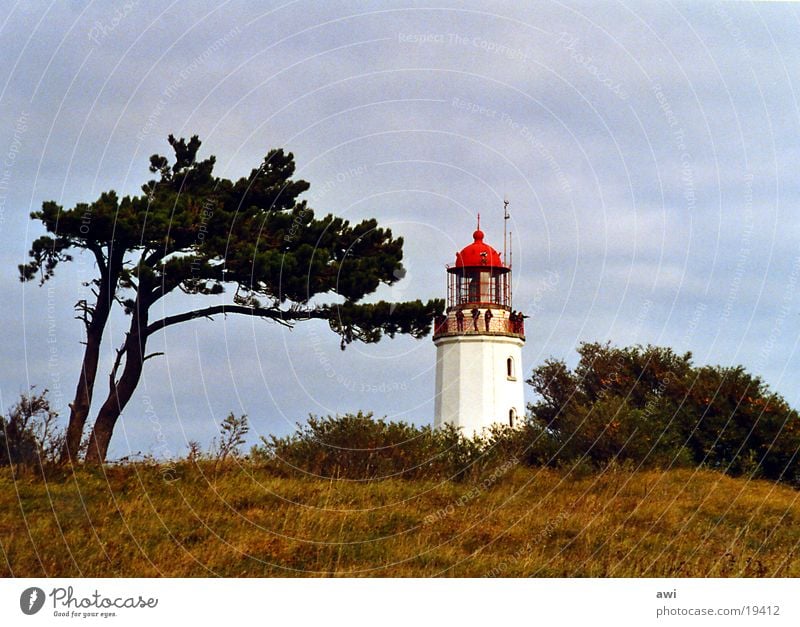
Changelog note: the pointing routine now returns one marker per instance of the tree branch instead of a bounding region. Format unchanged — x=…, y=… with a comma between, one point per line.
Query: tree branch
x=85, y=312
x=99, y=256
x=282, y=316
x=112, y=377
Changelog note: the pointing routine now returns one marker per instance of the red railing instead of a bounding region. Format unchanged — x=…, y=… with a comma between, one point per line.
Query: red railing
x=453, y=324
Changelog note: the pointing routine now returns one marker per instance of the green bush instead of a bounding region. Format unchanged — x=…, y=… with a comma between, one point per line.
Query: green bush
x=29, y=434
x=652, y=407
x=359, y=447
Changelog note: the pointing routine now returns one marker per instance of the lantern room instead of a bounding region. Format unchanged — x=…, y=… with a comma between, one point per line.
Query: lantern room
x=479, y=276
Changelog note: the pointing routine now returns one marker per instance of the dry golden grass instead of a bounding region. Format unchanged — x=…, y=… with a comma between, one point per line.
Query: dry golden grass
x=243, y=521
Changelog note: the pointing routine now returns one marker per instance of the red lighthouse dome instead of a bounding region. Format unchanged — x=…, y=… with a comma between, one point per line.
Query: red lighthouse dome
x=478, y=253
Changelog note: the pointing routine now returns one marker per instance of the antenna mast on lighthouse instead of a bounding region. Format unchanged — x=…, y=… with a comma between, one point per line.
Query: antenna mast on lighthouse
x=505, y=227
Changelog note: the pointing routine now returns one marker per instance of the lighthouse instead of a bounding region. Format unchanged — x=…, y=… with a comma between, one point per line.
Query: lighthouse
x=478, y=344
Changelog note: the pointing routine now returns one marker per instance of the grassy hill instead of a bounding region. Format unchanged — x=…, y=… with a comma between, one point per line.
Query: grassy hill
x=237, y=521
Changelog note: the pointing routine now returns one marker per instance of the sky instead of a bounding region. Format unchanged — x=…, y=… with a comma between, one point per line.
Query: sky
x=648, y=152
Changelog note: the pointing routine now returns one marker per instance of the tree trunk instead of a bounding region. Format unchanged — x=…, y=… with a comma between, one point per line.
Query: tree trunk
x=79, y=408
x=121, y=390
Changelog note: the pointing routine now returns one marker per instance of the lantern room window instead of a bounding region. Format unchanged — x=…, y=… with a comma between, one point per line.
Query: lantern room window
x=473, y=286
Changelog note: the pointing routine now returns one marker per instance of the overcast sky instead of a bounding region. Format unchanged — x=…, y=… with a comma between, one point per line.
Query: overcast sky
x=649, y=152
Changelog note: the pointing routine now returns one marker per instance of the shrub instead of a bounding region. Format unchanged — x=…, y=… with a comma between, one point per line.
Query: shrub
x=359, y=447
x=29, y=434
x=232, y=432
x=653, y=407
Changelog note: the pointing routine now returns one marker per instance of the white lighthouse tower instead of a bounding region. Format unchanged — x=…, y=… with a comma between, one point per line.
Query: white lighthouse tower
x=478, y=344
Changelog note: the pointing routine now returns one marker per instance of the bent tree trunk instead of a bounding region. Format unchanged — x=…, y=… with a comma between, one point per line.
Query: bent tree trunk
x=79, y=407
x=121, y=390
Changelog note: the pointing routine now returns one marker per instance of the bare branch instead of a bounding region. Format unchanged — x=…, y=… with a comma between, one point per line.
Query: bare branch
x=282, y=316
x=98, y=255
x=85, y=312
x=112, y=378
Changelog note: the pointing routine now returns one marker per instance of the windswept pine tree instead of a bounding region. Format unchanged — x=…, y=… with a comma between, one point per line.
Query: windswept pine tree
x=252, y=243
